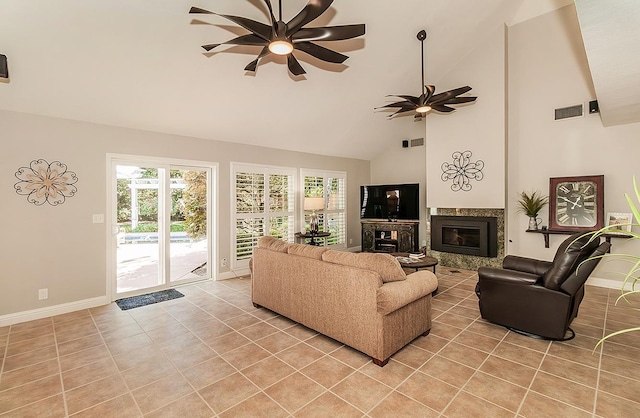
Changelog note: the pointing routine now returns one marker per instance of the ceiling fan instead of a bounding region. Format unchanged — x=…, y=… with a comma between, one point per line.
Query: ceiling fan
x=282, y=38
x=428, y=101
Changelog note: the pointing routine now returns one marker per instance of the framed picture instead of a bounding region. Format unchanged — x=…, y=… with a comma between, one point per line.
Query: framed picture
x=619, y=221
x=576, y=203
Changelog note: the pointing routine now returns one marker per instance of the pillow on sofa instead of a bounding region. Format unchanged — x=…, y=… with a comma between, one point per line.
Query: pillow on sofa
x=305, y=250
x=273, y=244
x=385, y=265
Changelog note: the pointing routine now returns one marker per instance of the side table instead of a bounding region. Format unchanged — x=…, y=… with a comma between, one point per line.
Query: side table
x=313, y=237
x=417, y=263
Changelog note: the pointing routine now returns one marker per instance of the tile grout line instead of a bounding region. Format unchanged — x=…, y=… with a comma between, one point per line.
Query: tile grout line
x=604, y=330
x=533, y=379
x=64, y=393
x=104, y=342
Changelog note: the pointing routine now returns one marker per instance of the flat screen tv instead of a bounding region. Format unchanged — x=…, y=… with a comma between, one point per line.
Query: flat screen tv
x=390, y=202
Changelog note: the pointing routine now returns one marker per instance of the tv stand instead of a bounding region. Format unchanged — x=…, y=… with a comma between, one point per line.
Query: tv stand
x=390, y=237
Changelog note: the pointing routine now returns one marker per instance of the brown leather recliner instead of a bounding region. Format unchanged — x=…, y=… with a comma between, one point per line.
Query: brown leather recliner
x=539, y=297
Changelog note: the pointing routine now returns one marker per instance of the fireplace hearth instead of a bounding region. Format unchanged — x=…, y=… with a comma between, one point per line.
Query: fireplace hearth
x=468, y=235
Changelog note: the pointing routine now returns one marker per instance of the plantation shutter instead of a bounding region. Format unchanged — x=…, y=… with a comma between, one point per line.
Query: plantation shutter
x=333, y=218
x=264, y=205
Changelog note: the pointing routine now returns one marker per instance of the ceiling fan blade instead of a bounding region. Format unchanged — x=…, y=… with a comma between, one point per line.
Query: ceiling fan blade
x=403, y=104
x=449, y=94
x=402, y=110
x=430, y=91
x=321, y=52
x=197, y=10
x=442, y=108
x=260, y=29
x=329, y=33
x=294, y=65
x=311, y=11
x=249, y=39
x=209, y=47
x=273, y=18
x=412, y=99
x=458, y=100
x=254, y=64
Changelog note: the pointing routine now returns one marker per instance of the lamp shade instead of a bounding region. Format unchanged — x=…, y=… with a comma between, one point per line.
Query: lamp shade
x=313, y=203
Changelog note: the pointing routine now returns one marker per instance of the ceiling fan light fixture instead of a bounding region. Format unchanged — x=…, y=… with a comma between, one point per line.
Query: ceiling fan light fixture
x=280, y=47
x=423, y=109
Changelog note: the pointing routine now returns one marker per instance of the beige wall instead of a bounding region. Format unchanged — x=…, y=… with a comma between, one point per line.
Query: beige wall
x=59, y=248
x=548, y=69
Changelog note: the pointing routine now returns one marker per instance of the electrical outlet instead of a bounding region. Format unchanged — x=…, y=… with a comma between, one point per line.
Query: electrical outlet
x=350, y=241
x=223, y=262
x=43, y=294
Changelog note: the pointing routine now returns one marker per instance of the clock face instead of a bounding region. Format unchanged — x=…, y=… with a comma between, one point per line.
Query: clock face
x=575, y=203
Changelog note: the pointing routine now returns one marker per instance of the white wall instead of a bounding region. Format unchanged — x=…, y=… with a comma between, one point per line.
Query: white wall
x=548, y=69
x=478, y=127
x=59, y=248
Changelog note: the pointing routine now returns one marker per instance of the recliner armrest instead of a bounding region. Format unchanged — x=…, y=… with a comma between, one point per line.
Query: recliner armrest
x=528, y=265
x=507, y=276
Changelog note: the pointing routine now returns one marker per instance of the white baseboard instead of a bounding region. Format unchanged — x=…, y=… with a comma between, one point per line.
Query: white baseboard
x=608, y=283
x=234, y=273
x=18, y=317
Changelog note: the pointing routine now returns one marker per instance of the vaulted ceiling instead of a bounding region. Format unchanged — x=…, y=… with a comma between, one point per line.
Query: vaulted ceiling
x=139, y=64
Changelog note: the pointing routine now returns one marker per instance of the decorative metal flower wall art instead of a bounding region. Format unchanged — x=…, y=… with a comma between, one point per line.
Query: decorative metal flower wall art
x=462, y=171
x=43, y=182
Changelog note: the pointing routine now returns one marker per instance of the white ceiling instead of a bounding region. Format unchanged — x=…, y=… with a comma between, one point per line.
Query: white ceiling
x=139, y=64
x=611, y=33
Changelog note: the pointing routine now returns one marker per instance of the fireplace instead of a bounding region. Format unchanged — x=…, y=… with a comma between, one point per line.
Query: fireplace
x=469, y=235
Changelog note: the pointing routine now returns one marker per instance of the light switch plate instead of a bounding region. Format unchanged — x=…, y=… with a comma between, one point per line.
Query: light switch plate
x=98, y=219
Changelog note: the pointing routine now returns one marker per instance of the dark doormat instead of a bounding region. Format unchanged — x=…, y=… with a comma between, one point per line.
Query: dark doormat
x=148, y=299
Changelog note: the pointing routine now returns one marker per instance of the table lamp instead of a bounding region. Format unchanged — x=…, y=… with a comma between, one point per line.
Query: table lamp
x=313, y=204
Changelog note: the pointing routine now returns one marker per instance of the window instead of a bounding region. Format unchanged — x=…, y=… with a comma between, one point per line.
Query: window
x=264, y=205
x=333, y=187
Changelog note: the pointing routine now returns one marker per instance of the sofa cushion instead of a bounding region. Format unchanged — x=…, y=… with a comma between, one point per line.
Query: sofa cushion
x=305, y=250
x=395, y=295
x=570, y=254
x=273, y=244
x=384, y=264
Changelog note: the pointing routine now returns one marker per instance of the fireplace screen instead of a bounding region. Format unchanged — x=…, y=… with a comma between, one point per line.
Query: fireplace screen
x=463, y=237
x=470, y=235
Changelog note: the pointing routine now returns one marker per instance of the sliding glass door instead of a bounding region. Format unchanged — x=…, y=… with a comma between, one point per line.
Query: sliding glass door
x=161, y=225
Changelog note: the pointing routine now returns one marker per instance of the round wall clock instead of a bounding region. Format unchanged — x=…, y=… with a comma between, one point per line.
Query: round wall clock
x=576, y=203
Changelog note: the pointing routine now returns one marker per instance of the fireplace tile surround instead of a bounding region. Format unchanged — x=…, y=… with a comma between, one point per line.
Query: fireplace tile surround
x=468, y=262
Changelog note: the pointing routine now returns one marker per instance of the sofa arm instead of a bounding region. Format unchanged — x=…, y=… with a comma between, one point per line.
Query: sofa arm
x=528, y=265
x=506, y=276
x=392, y=296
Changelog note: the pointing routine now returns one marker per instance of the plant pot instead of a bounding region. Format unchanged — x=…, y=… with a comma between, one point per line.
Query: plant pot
x=534, y=223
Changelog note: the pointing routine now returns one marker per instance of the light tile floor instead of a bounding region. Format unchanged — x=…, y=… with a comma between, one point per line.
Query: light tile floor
x=212, y=353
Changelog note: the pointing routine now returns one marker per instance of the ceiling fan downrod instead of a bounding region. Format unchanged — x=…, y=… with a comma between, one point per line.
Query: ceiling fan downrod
x=422, y=35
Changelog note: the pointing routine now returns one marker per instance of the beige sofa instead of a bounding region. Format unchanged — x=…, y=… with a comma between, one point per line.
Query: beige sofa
x=364, y=300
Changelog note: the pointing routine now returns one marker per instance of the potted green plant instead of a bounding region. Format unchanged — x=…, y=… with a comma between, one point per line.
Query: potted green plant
x=530, y=204
x=630, y=290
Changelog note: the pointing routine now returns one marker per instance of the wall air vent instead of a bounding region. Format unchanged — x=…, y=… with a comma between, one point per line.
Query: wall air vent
x=569, y=112
x=4, y=67
x=418, y=142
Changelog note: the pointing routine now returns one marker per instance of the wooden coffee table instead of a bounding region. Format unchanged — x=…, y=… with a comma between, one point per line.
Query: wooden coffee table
x=418, y=263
